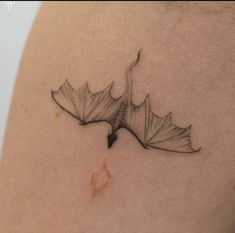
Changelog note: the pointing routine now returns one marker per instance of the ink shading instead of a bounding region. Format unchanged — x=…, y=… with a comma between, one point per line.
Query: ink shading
x=150, y=130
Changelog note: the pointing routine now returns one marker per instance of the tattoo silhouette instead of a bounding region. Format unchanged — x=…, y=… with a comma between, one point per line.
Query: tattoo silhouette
x=149, y=129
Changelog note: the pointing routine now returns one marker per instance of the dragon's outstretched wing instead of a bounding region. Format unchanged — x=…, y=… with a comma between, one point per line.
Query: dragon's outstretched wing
x=87, y=107
x=157, y=132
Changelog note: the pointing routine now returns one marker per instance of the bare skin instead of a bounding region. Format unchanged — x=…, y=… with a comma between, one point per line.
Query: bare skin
x=48, y=161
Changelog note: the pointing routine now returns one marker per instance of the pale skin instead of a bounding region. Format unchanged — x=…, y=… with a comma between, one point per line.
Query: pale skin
x=49, y=161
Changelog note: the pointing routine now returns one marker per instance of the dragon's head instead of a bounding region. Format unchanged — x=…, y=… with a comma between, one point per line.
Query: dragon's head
x=112, y=137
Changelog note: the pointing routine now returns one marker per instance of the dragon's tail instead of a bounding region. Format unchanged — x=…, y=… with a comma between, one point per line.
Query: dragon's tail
x=128, y=90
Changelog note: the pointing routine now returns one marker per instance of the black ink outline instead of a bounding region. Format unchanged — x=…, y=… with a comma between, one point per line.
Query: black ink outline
x=122, y=113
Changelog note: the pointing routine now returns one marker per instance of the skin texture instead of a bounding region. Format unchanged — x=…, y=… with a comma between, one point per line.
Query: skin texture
x=187, y=67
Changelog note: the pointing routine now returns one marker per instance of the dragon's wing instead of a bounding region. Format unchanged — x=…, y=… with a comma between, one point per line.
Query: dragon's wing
x=157, y=132
x=87, y=107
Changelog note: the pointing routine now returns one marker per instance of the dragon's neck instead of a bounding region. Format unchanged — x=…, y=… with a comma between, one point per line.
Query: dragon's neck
x=128, y=89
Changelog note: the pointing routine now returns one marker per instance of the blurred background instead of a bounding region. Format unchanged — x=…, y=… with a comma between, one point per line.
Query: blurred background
x=16, y=19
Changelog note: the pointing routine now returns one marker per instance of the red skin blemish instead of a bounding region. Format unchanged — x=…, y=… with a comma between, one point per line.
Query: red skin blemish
x=100, y=178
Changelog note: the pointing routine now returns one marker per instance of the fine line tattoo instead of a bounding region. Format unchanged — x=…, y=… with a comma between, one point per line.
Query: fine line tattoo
x=150, y=130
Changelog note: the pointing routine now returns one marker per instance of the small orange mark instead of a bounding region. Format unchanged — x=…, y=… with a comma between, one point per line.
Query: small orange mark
x=100, y=178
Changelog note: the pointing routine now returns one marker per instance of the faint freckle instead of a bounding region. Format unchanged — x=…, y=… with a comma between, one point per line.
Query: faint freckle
x=23, y=108
x=57, y=114
x=234, y=187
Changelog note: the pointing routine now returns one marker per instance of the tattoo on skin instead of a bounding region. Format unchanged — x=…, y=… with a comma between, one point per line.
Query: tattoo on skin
x=150, y=130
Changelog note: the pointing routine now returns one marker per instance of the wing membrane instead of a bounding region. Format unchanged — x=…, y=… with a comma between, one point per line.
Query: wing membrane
x=157, y=132
x=87, y=106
